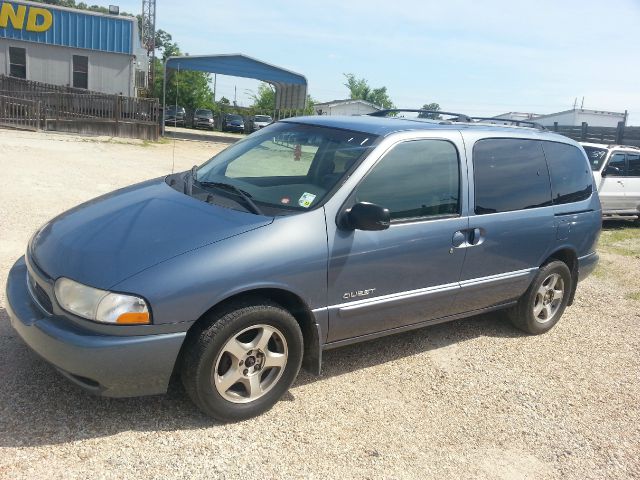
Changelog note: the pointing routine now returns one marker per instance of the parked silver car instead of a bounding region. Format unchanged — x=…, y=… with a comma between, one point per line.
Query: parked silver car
x=260, y=121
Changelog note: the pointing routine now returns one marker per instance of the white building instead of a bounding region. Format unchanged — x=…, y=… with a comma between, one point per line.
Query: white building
x=71, y=47
x=345, y=107
x=574, y=117
x=522, y=116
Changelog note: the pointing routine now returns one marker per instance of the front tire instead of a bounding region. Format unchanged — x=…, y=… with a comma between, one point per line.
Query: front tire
x=544, y=302
x=242, y=360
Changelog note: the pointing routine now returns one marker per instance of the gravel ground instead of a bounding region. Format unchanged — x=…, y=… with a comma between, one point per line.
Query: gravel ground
x=470, y=399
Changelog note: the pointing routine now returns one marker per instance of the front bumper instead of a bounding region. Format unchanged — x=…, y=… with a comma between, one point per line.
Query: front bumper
x=108, y=365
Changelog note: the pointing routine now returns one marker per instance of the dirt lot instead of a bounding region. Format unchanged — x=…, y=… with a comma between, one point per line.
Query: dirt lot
x=470, y=399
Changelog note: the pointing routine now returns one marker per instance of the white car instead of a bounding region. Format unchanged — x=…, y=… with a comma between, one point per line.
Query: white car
x=616, y=169
x=260, y=121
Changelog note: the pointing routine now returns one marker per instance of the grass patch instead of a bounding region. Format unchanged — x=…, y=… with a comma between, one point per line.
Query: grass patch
x=634, y=296
x=622, y=238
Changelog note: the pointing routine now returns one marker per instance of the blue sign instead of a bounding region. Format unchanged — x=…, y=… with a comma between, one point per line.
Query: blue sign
x=66, y=27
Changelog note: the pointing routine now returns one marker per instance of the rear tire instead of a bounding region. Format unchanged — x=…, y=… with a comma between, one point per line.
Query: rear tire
x=544, y=302
x=242, y=360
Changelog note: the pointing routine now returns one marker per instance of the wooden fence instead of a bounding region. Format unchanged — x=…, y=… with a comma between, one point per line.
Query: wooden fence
x=19, y=113
x=620, y=135
x=73, y=110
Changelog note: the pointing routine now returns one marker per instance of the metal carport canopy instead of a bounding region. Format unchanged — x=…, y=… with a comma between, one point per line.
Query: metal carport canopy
x=291, y=87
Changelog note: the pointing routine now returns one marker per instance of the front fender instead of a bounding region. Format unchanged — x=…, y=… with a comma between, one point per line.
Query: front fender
x=289, y=254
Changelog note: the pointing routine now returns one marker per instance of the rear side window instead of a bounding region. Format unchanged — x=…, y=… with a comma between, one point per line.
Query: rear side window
x=510, y=174
x=634, y=165
x=416, y=179
x=571, y=177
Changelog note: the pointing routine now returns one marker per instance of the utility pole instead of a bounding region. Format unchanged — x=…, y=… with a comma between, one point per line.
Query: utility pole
x=582, y=104
x=215, y=81
x=235, y=96
x=149, y=36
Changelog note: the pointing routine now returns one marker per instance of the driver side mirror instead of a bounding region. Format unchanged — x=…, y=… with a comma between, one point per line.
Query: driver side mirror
x=367, y=216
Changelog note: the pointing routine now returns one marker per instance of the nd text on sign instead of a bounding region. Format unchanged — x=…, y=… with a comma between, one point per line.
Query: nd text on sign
x=32, y=19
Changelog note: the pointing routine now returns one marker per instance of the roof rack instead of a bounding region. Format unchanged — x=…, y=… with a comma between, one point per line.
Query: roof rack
x=517, y=123
x=460, y=117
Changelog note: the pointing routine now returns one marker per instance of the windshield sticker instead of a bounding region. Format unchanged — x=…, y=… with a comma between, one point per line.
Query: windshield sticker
x=306, y=199
x=285, y=200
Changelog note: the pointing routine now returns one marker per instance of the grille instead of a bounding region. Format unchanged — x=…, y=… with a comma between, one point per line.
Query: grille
x=39, y=295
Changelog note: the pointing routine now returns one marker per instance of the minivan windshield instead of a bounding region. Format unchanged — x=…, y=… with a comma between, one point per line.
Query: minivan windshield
x=234, y=117
x=287, y=166
x=596, y=157
x=262, y=118
x=204, y=113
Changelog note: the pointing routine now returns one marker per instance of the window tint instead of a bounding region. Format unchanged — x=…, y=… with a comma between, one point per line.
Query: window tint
x=633, y=166
x=510, y=174
x=17, y=62
x=80, y=71
x=616, y=165
x=571, y=177
x=420, y=178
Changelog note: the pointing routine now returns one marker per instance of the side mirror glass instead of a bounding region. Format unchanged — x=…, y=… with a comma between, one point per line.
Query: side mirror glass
x=367, y=216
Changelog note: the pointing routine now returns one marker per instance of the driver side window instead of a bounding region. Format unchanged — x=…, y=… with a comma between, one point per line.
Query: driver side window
x=616, y=166
x=416, y=179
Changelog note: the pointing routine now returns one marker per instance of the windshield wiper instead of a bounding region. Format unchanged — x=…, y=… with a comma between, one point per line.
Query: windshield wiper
x=232, y=188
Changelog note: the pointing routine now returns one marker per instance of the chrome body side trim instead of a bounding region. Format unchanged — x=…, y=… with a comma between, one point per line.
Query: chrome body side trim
x=411, y=294
x=497, y=278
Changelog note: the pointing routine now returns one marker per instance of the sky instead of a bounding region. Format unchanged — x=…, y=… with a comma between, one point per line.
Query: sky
x=476, y=57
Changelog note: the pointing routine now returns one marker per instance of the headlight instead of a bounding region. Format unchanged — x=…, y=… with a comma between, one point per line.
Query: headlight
x=101, y=305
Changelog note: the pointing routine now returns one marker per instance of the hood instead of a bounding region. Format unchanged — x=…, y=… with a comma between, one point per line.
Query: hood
x=106, y=240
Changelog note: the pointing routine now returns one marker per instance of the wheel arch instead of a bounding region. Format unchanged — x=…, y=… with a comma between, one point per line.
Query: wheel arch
x=293, y=303
x=569, y=257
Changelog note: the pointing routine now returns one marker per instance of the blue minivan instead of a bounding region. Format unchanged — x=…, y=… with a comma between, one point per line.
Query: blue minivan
x=310, y=234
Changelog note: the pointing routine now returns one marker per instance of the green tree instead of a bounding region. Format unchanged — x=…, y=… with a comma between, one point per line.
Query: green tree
x=430, y=106
x=189, y=89
x=264, y=100
x=359, y=89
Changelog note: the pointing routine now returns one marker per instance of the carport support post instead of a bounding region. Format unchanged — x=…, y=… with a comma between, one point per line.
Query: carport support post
x=620, y=133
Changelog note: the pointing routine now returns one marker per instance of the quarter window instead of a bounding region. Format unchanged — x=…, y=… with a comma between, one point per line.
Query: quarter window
x=80, y=71
x=571, y=177
x=633, y=165
x=17, y=62
x=510, y=174
x=419, y=178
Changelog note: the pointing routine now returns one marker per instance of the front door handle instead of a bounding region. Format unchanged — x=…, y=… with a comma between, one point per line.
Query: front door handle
x=459, y=239
x=469, y=237
x=476, y=236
